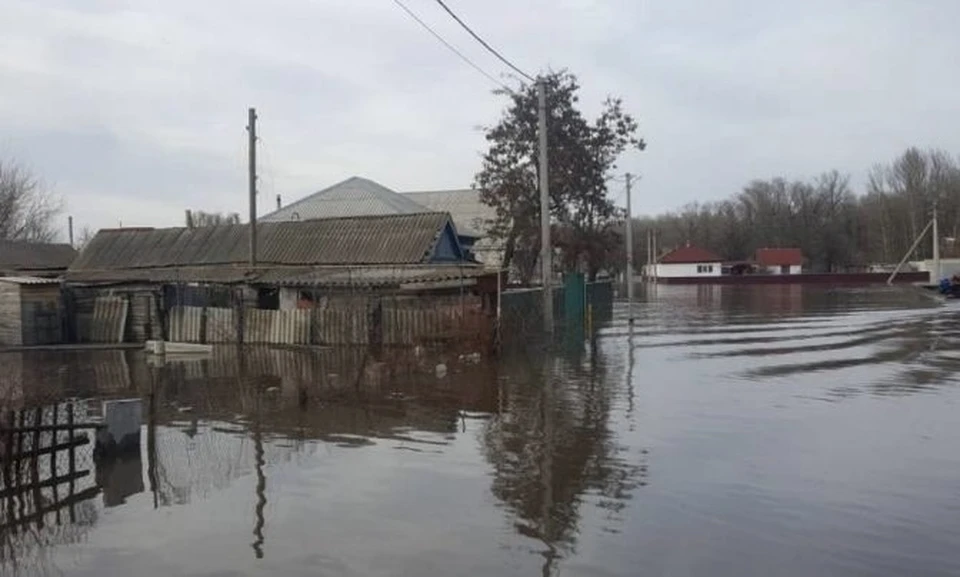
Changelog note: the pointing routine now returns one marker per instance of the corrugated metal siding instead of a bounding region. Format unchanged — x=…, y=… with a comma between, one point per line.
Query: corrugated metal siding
x=396, y=239
x=185, y=324
x=107, y=323
x=341, y=326
x=221, y=325
x=288, y=327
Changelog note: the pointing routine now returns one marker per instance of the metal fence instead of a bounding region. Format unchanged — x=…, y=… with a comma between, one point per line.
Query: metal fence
x=522, y=309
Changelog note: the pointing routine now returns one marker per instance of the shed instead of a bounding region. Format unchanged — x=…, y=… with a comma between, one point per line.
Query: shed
x=29, y=311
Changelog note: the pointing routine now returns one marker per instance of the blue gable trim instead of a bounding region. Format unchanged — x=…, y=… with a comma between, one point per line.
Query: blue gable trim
x=448, y=247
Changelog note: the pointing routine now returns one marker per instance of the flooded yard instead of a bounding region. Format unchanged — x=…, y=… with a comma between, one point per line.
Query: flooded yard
x=731, y=431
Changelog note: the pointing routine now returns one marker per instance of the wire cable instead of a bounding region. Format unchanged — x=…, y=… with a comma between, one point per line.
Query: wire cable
x=483, y=42
x=451, y=47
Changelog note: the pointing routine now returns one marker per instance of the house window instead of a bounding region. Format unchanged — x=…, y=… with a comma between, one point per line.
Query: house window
x=785, y=269
x=704, y=268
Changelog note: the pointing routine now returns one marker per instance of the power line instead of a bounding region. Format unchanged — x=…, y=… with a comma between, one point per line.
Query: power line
x=451, y=47
x=485, y=45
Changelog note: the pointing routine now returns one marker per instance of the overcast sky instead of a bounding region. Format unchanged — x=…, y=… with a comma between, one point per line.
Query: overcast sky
x=134, y=111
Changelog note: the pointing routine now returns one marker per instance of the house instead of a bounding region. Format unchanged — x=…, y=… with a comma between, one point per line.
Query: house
x=779, y=260
x=471, y=216
x=687, y=261
x=358, y=196
x=20, y=258
x=29, y=311
x=300, y=264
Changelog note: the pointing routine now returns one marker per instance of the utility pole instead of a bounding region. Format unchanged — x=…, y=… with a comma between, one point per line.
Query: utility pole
x=629, y=239
x=653, y=249
x=70, y=229
x=252, y=144
x=546, y=251
x=649, y=254
x=936, y=248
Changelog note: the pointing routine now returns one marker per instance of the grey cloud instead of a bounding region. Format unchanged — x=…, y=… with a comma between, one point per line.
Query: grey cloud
x=155, y=97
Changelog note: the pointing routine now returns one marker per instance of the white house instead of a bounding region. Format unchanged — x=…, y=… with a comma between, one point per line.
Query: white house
x=779, y=260
x=686, y=261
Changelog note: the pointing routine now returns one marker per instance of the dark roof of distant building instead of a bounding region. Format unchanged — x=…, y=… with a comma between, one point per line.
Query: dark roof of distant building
x=779, y=256
x=221, y=253
x=689, y=255
x=16, y=255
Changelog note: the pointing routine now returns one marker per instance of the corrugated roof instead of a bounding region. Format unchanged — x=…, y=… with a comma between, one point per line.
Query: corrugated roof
x=689, y=255
x=471, y=216
x=353, y=197
x=31, y=280
x=779, y=256
x=393, y=239
x=344, y=276
x=19, y=255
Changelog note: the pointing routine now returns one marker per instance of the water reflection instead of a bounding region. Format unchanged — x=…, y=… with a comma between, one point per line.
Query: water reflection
x=553, y=446
x=282, y=461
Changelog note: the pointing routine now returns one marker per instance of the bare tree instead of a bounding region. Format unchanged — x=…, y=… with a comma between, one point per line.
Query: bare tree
x=197, y=218
x=27, y=208
x=85, y=236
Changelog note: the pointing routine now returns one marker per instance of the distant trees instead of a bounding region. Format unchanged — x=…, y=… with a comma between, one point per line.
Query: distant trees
x=833, y=226
x=27, y=209
x=582, y=154
x=197, y=218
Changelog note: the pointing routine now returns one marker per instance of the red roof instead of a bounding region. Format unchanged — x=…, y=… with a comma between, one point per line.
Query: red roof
x=779, y=256
x=688, y=255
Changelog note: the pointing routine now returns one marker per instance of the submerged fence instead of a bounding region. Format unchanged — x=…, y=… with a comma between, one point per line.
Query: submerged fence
x=377, y=320
x=575, y=304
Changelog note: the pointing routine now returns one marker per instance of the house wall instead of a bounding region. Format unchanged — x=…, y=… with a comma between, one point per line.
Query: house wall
x=446, y=250
x=10, y=322
x=288, y=298
x=41, y=314
x=686, y=270
x=794, y=269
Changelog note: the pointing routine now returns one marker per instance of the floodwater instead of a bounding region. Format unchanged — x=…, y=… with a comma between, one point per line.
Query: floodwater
x=734, y=431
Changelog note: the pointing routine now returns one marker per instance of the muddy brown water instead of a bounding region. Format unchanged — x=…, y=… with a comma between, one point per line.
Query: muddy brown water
x=733, y=431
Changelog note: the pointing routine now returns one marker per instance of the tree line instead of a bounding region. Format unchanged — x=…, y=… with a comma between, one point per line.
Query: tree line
x=835, y=227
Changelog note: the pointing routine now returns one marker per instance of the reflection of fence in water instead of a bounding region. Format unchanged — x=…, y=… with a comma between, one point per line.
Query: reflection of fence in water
x=46, y=455
x=195, y=460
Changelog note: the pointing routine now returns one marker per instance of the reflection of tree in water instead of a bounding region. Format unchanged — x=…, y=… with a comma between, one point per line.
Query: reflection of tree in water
x=553, y=444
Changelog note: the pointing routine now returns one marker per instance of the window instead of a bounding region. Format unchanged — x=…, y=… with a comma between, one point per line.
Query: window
x=704, y=268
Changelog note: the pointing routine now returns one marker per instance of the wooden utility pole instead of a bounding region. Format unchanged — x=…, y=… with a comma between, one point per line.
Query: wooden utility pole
x=546, y=251
x=629, y=239
x=70, y=229
x=252, y=168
